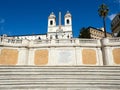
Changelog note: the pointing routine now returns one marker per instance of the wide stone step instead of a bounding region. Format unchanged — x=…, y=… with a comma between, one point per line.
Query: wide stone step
x=64, y=75
x=92, y=77
x=60, y=67
x=101, y=82
x=59, y=78
x=59, y=73
x=68, y=85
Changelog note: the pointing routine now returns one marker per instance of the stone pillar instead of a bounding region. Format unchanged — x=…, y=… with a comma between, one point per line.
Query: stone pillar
x=107, y=55
x=105, y=51
x=51, y=58
x=78, y=55
x=31, y=57
x=100, y=56
x=23, y=56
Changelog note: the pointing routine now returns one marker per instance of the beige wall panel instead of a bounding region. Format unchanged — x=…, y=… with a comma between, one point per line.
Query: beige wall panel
x=9, y=57
x=41, y=57
x=116, y=55
x=89, y=56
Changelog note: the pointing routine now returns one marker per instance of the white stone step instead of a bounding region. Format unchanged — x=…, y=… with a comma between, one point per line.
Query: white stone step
x=54, y=86
x=59, y=78
x=60, y=67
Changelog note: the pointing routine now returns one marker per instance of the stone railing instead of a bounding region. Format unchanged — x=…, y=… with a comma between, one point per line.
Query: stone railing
x=113, y=40
x=11, y=41
x=65, y=42
x=74, y=41
x=14, y=42
x=47, y=41
x=54, y=41
x=89, y=41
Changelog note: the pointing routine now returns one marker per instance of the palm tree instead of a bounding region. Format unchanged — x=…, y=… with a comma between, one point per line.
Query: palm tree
x=103, y=12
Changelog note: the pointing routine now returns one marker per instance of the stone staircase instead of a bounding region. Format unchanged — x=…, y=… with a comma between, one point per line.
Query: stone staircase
x=59, y=78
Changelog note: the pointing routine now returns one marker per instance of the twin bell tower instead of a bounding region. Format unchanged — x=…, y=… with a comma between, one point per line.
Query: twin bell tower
x=60, y=31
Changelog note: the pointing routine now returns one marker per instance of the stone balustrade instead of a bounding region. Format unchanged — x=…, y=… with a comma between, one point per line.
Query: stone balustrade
x=14, y=41
x=110, y=42
x=45, y=41
x=74, y=41
x=114, y=40
x=88, y=41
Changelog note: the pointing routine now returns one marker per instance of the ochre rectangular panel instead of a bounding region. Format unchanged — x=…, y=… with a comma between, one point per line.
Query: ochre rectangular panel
x=9, y=57
x=116, y=55
x=89, y=56
x=41, y=57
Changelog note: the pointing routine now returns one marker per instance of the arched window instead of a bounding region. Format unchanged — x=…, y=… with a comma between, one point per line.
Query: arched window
x=68, y=21
x=51, y=22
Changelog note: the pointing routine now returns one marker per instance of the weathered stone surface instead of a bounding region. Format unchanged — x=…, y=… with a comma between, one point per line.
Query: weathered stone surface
x=59, y=78
x=9, y=57
x=89, y=56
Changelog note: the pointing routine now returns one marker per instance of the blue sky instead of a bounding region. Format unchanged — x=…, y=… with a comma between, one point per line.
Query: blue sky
x=21, y=17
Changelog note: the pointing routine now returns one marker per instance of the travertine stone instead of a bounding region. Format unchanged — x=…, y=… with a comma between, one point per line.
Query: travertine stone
x=41, y=57
x=116, y=55
x=9, y=57
x=89, y=56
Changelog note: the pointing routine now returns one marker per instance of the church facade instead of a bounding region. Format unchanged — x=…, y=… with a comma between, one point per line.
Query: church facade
x=58, y=47
x=54, y=31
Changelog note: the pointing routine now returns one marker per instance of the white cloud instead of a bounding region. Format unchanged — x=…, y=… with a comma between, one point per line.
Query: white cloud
x=111, y=16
